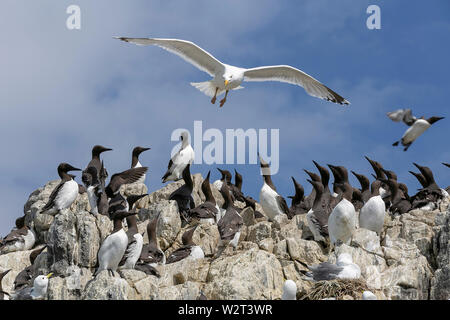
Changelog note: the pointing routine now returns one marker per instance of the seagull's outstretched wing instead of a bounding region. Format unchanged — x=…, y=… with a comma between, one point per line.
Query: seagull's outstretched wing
x=187, y=50
x=294, y=76
x=404, y=115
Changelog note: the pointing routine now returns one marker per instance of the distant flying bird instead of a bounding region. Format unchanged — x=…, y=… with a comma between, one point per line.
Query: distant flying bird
x=416, y=126
x=226, y=77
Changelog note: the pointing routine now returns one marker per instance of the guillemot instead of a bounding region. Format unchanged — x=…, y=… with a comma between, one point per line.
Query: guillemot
x=225, y=178
x=230, y=224
x=236, y=188
x=185, y=156
x=151, y=253
x=135, y=160
x=378, y=169
x=365, y=186
x=317, y=216
x=183, y=195
x=135, y=239
x=188, y=250
x=309, y=199
x=399, y=204
x=417, y=128
x=65, y=192
x=429, y=197
x=297, y=205
x=371, y=215
x=272, y=203
x=209, y=210
x=18, y=240
x=342, y=220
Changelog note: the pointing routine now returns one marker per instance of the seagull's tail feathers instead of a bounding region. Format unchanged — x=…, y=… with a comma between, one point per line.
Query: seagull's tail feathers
x=207, y=88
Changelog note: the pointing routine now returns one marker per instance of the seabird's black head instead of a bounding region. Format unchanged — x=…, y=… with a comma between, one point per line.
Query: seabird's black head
x=420, y=178
x=226, y=175
x=206, y=189
x=426, y=172
x=325, y=175
x=132, y=199
x=65, y=167
x=390, y=174
x=96, y=150
x=250, y=202
x=434, y=119
x=238, y=180
x=363, y=180
x=299, y=191
x=312, y=175
x=377, y=167
x=138, y=150
x=187, y=237
x=20, y=222
x=317, y=185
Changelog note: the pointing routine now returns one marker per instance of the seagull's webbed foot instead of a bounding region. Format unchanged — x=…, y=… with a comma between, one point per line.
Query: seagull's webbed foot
x=222, y=102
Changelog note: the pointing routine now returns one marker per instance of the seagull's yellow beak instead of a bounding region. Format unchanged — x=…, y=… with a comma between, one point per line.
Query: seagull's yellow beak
x=49, y=275
x=226, y=82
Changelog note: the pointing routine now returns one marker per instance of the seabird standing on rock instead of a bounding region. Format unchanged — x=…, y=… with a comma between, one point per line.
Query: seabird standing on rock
x=18, y=240
x=343, y=269
x=114, y=246
x=317, y=216
x=417, y=128
x=297, y=205
x=209, y=210
x=3, y=295
x=230, y=224
x=430, y=196
x=37, y=292
x=135, y=160
x=65, y=193
x=25, y=277
x=183, y=195
x=188, y=250
x=399, y=204
x=226, y=77
x=342, y=220
x=289, y=290
x=185, y=156
x=93, y=178
x=151, y=253
x=372, y=214
x=135, y=240
x=272, y=203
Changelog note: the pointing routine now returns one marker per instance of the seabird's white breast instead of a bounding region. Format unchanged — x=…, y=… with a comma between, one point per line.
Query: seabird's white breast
x=112, y=250
x=415, y=131
x=268, y=200
x=342, y=222
x=66, y=195
x=371, y=216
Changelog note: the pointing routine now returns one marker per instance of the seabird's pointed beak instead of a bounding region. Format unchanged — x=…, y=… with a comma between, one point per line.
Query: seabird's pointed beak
x=417, y=166
x=49, y=275
x=226, y=82
x=207, y=176
x=446, y=164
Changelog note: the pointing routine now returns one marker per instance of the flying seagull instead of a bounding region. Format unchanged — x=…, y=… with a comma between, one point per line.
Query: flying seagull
x=226, y=77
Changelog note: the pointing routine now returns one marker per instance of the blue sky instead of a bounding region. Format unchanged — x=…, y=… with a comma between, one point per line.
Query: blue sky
x=63, y=91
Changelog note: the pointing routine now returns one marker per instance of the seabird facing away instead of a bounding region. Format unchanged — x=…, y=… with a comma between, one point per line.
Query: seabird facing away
x=65, y=192
x=371, y=215
x=289, y=290
x=272, y=203
x=417, y=128
x=343, y=269
x=226, y=77
x=180, y=160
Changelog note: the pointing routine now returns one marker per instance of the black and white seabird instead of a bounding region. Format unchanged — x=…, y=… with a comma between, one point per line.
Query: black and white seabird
x=3, y=294
x=343, y=269
x=18, y=240
x=65, y=192
x=371, y=215
x=114, y=246
x=399, y=203
x=37, y=292
x=180, y=160
x=230, y=224
x=135, y=239
x=365, y=186
x=188, y=250
x=226, y=177
x=151, y=253
x=430, y=196
x=209, y=210
x=317, y=216
x=183, y=195
x=135, y=160
x=25, y=277
x=298, y=200
x=342, y=220
x=94, y=177
x=272, y=203
x=416, y=128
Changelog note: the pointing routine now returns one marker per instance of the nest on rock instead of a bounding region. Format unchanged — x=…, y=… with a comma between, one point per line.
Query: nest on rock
x=337, y=289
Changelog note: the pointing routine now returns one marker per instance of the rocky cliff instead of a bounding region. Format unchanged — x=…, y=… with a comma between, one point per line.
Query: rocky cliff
x=409, y=260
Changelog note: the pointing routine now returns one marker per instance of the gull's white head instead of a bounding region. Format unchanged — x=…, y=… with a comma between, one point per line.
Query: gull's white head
x=344, y=259
x=233, y=76
x=40, y=285
x=289, y=290
x=367, y=295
